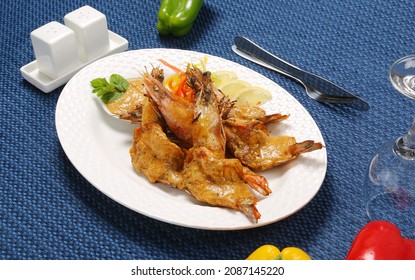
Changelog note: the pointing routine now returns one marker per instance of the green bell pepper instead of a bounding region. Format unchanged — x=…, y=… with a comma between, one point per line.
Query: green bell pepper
x=176, y=17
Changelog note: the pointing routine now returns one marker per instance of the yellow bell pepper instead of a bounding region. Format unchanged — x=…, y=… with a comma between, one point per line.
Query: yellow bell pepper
x=265, y=252
x=271, y=252
x=293, y=253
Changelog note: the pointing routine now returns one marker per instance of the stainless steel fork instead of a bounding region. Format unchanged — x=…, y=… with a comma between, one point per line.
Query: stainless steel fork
x=316, y=87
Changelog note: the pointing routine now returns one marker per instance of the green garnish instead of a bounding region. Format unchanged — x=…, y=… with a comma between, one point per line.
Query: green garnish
x=112, y=90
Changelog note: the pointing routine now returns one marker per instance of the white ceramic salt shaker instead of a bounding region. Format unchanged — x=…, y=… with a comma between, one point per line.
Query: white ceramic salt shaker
x=90, y=27
x=55, y=48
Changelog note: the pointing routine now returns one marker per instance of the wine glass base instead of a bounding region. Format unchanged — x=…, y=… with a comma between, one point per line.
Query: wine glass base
x=390, y=185
x=393, y=206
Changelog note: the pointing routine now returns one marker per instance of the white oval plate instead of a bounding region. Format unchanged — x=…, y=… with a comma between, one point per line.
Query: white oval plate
x=98, y=146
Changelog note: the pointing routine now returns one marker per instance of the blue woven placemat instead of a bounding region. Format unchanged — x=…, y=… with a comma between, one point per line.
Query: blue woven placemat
x=49, y=211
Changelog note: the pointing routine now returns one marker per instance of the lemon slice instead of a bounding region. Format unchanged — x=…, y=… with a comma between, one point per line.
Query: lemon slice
x=222, y=77
x=233, y=88
x=239, y=90
x=253, y=96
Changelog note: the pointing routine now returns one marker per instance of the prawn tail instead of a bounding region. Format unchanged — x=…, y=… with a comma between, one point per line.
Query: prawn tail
x=305, y=147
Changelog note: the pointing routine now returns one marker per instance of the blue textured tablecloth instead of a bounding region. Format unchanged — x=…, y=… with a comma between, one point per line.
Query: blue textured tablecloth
x=49, y=211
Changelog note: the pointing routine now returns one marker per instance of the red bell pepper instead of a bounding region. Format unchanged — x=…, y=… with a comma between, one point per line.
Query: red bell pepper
x=381, y=240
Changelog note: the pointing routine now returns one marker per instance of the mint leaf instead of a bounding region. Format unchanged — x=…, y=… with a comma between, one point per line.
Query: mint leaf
x=103, y=90
x=112, y=90
x=119, y=82
x=99, y=82
x=111, y=96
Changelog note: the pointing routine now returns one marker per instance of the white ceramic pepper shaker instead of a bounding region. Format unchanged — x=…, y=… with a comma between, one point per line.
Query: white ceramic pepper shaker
x=55, y=48
x=91, y=29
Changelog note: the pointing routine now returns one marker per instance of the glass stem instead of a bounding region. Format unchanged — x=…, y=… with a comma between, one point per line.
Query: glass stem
x=405, y=145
